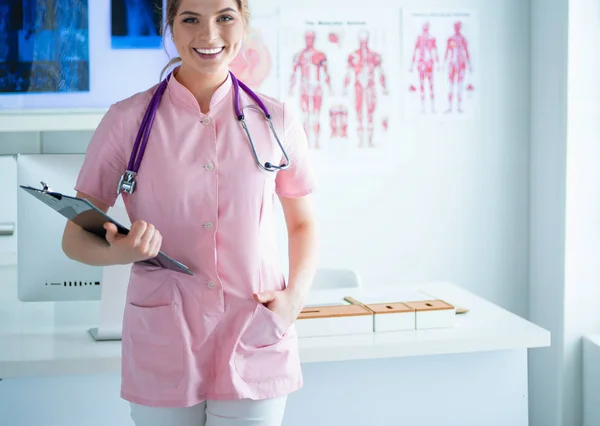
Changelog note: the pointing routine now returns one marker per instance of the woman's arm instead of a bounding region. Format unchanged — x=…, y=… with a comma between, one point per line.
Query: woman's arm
x=302, y=241
x=294, y=186
x=302, y=237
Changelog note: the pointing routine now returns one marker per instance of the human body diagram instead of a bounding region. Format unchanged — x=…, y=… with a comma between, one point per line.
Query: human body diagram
x=363, y=72
x=363, y=66
x=439, y=56
x=312, y=66
x=457, y=59
x=424, y=54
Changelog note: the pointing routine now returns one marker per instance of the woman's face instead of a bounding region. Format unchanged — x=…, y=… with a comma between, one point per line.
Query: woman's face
x=208, y=34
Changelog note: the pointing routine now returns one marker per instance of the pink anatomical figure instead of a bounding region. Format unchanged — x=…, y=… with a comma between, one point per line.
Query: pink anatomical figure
x=363, y=63
x=313, y=68
x=338, y=116
x=425, y=52
x=458, y=59
x=253, y=63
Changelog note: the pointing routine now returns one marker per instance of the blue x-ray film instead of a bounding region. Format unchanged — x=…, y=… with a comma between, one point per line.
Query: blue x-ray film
x=44, y=46
x=136, y=24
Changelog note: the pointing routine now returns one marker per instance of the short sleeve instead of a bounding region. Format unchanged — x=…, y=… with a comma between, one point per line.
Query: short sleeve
x=104, y=161
x=299, y=179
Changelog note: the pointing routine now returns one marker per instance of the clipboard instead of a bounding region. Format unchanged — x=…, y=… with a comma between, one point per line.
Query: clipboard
x=83, y=213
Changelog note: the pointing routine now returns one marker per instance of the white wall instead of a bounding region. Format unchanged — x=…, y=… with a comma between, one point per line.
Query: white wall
x=565, y=230
x=548, y=169
x=456, y=206
x=582, y=236
x=583, y=200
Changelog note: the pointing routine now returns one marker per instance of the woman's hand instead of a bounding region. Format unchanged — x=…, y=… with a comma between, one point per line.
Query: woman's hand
x=142, y=242
x=285, y=303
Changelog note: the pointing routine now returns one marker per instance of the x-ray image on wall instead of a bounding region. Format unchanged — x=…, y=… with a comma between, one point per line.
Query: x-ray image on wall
x=44, y=46
x=136, y=24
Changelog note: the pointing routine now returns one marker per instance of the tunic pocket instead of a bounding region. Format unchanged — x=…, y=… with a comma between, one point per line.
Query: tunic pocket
x=267, y=349
x=156, y=355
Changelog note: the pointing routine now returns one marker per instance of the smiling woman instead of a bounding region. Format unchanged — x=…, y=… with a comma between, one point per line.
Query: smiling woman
x=218, y=347
x=207, y=39
x=214, y=35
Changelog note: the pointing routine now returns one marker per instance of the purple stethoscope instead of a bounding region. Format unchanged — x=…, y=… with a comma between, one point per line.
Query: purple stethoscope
x=127, y=183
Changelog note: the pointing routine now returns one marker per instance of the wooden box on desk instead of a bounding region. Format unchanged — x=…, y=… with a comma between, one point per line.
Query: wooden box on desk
x=403, y=316
x=392, y=316
x=331, y=320
x=433, y=314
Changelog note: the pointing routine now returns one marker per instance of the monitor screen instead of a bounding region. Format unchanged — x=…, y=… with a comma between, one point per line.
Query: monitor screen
x=44, y=272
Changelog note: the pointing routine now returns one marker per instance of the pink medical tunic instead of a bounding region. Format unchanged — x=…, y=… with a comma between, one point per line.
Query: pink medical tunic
x=191, y=338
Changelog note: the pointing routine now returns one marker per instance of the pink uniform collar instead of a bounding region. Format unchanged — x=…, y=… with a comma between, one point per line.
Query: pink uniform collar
x=182, y=94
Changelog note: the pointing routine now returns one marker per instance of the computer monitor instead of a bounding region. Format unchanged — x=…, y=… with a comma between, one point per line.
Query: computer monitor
x=44, y=272
x=8, y=211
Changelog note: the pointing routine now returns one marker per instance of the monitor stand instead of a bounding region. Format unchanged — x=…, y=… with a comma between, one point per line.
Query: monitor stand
x=115, y=279
x=104, y=337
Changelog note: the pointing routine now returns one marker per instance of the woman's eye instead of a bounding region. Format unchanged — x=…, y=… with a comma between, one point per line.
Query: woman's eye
x=225, y=18
x=189, y=20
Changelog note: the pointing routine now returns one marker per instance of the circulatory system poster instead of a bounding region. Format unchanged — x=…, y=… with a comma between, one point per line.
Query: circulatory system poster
x=440, y=53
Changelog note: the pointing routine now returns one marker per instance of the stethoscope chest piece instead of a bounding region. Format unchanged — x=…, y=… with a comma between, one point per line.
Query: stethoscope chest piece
x=127, y=182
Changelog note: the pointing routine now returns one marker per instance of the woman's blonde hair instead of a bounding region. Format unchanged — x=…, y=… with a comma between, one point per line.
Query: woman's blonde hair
x=173, y=7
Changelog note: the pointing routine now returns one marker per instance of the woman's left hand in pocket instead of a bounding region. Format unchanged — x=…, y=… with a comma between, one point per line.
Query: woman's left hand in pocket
x=284, y=303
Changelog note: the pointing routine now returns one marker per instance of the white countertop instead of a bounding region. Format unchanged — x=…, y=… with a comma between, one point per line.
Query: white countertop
x=40, y=120
x=38, y=339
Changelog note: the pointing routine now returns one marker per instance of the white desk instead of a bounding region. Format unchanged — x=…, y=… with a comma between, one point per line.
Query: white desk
x=473, y=373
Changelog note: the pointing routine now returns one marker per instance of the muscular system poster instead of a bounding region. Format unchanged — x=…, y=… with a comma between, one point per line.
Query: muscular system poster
x=338, y=69
x=440, y=53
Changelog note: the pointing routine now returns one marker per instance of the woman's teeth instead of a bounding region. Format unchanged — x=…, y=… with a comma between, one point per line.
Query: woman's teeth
x=209, y=51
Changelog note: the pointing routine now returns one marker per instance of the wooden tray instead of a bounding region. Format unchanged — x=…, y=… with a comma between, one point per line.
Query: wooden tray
x=396, y=307
x=429, y=305
x=311, y=312
x=389, y=308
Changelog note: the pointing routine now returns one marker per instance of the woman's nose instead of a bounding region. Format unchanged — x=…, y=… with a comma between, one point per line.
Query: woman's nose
x=207, y=32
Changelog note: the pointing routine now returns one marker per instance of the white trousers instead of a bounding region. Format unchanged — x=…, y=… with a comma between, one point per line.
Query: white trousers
x=245, y=412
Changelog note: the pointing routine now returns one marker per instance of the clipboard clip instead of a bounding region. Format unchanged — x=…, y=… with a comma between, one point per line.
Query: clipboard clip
x=45, y=187
x=48, y=191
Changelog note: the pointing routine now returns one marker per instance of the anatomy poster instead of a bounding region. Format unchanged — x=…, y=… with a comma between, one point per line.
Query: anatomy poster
x=44, y=46
x=439, y=52
x=256, y=63
x=338, y=69
x=136, y=24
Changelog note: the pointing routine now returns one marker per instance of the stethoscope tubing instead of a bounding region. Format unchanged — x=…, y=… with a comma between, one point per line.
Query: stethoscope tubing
x=127, y=182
